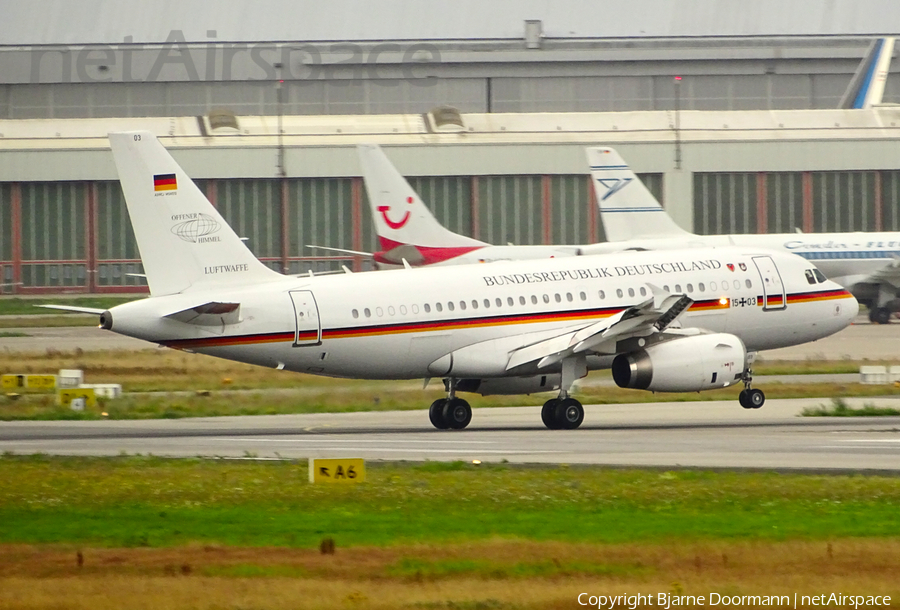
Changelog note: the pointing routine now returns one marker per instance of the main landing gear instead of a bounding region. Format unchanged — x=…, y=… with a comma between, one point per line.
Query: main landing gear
x=562, y=413
x=451, y=412
x=880, y=315
x=750, y=398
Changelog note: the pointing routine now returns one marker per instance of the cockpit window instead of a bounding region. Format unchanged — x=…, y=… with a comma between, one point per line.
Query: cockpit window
x=810, y=277
x=819, y=275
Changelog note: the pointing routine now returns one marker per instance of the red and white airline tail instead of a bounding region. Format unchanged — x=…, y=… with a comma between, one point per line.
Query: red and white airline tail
x=627, y=209
x=406, y=228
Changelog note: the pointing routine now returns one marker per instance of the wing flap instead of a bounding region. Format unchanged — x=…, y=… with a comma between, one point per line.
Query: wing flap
x=653, y=315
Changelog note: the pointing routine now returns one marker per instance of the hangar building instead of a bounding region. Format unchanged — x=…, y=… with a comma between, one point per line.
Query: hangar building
x=264, y=103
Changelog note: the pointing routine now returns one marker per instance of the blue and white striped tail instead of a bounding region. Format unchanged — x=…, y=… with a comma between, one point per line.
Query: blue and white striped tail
x=866, y=88
x=627, y=209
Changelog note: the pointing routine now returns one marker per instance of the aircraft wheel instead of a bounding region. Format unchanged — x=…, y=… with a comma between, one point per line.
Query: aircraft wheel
x=548, y=414
x=569, y=414
x=436, y=414
x=755, y=398
x=457, y=413
x=742, y=398
x=872, y=315
x=881, y=315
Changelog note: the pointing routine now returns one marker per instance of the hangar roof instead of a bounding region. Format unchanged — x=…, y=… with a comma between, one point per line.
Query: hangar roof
x=75, y=22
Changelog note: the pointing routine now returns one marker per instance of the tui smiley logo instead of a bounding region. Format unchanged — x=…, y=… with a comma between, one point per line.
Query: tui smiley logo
x=384, y=209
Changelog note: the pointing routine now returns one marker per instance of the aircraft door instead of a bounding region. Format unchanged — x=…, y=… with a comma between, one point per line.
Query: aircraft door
x=774, y=297
x=306, y=314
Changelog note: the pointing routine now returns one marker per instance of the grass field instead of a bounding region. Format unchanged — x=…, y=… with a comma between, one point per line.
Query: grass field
x=230, y=388
x=158, y=533
x=18, y=306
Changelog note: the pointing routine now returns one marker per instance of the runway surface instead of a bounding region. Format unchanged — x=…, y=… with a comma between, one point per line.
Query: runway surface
x=704, y=434
x=858, y=341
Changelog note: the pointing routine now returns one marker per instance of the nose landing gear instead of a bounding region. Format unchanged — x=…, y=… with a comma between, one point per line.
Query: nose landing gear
x=750, y=398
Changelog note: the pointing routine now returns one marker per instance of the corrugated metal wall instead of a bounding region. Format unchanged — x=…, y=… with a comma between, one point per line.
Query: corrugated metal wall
x=117, y=251
x=53, y=229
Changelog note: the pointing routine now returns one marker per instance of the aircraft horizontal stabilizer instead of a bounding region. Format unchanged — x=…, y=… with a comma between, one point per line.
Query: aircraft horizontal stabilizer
x=209, y=314
x=652, y=315
x=889, y=274
x=74, y=308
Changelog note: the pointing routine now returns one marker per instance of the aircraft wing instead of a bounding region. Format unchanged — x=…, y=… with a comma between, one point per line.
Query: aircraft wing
x=889, y=274
x=653, y=315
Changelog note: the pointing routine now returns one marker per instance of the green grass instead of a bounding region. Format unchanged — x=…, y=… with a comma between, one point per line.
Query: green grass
x=16, y=306
x=4, y=335
x=840, y=408
x=144, y=501
x=367, y=396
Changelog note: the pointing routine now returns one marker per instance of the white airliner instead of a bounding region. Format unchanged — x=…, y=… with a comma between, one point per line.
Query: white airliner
x=681, y=320
x=867, y=264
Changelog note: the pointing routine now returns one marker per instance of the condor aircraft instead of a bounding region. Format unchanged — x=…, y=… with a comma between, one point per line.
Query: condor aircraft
x=681, y=320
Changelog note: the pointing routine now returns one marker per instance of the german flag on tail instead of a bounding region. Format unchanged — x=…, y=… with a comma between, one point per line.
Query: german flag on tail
x=164, y=182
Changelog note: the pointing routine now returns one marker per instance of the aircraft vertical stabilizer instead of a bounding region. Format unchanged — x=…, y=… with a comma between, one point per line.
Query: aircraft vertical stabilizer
x=866, y=88
x=182, y=238
x=401, y=218
x=628, y=209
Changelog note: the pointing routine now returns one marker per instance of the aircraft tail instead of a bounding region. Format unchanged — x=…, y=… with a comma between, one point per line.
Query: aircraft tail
x=866, y=88
x=628, y=209
x=405, y=226
x=183, y=240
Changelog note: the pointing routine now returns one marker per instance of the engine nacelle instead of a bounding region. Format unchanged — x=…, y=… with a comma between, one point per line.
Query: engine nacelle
x=509, y=385
x=689, y=364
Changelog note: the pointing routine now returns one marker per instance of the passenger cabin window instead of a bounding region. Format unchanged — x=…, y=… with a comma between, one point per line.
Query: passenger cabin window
x=558, y=298
x=487, y=303
x=701, y=287
x=737, y=284
x=569, y=297
x=521, y=301
x=748, y=283
x=415, y=309
x=533, y=300
x=499, y=302
x=379, y=311
x=583, y=296
x=474, y=304
x=546, y=298
x=450, y=306
x=367, y=312
x=391, y=310
x=690, y=288
x=462, y=305
x=403, y=310
x=643, y=291
x=439, y=307
x=601, y=294
x=619, y=293
x=631, y=292
x=712, y=286
x=427, y=308
x=355, y=313
x=677, y=287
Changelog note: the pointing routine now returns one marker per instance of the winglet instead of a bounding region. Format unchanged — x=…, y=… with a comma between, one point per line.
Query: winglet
x=628, y=210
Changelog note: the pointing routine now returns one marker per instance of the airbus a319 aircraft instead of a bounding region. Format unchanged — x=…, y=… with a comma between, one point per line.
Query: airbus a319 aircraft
x=680, y=320
x=867, y=264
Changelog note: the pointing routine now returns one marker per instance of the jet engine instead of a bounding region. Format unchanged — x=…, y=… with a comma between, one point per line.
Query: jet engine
x=509, y=385
x=688, y=364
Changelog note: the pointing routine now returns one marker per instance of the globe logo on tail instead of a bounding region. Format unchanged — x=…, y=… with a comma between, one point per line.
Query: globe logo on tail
x=196, y=229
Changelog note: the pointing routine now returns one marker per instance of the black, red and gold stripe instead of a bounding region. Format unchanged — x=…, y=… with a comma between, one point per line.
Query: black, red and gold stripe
x=593, y=314
x=164, y=182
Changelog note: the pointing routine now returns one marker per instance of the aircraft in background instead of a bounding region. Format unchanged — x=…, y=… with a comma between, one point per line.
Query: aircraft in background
x=410, y=235
x=683, y=321
x=867, y=264
x=866, y=88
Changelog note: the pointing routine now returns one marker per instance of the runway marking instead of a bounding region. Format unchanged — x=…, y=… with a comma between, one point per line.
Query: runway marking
x=328, y=440
x=871, y=440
